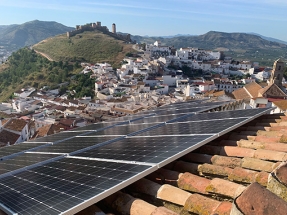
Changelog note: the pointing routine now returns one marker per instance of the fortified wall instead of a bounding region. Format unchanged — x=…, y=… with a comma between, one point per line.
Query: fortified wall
x=98, y=26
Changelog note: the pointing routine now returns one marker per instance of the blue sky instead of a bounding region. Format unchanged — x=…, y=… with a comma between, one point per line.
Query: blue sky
x=157, y=17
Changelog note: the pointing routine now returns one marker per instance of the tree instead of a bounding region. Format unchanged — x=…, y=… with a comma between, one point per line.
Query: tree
x=187, y=71
x=62, y=89
x=60, y=64
x=77, y=65
x=129, y=54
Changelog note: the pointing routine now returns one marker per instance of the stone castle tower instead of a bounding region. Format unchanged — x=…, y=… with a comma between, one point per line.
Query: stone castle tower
x=114, y=30
x=277, y=73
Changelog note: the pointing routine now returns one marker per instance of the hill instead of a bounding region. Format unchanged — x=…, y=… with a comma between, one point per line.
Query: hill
x=241, y=46
x=270, y=38
x=27, y=68
x=89, y=46
x=213, y=39
x=14, y=36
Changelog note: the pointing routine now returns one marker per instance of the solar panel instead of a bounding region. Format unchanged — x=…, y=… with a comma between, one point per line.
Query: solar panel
x=57, y=137
x=18, y=148
x=200, y=127
x=92, y=127
x=59, y=186
x=23, y=161
x=152, y=149
x=161, y=118
x=190, y=105
x=124, y=129
x=99, y=163
x=178, y=111
x=130, y=118
x=75, y=144
x=221, y=115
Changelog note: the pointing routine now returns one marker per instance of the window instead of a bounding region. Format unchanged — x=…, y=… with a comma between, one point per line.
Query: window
x=279, y=67
x=278, y=77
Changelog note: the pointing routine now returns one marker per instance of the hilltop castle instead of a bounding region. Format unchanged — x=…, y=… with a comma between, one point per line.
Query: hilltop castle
x=98, y=26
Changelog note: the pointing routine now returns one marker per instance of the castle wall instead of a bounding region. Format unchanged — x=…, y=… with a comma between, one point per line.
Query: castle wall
x=98, y=26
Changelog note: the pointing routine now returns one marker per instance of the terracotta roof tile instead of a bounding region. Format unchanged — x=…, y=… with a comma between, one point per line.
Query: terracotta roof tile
x=274, y=88
x=282, y=105
x=7, y=136
x=257, y=164
x=281, y=147
x=253, y=88
x=281, y=173
x=277, y=181
x=15, y=124
x=162, y=211
x=214, y=170
x=224, y=208
x=270, y=155
x=4, y=121
x=225, y=188
x=173, y=194
x=193, y=183
x=231, y=162
x=67, y=122
x=239, y=174
x=264, y=139
x=199, y=204
x=258, y=200
x=126, y=204
x=43, y=131
x=241, y=94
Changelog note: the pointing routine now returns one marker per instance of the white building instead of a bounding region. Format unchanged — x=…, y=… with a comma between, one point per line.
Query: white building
x=19, y=127
x=244, y=65
x=170, y=80
x=24, y=93
x=161, y=89
x=20, y=105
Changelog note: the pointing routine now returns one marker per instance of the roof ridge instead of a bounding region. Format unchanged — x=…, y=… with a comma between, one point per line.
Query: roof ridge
x=247, y=92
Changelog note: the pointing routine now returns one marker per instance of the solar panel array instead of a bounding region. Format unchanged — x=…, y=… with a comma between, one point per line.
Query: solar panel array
x=67, y=172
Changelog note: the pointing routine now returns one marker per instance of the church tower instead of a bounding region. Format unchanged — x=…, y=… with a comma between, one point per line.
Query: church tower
x=277, y=73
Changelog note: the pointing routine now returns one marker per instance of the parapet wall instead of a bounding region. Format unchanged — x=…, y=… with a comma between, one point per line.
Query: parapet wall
x=87, y=27
x=98, y=26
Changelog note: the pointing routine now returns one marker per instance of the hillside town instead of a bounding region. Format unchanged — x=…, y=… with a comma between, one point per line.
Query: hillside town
x=157, y=76
x=4, y=54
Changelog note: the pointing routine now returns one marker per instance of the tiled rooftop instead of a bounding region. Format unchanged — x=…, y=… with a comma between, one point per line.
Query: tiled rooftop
x=242, y=172
x=15, y=124
x=48, y=130
x=7, y=136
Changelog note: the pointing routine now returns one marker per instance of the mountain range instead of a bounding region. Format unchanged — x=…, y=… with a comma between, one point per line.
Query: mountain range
x=189, y=35
x=15, y=36
x=270, y=38
x=241, y=46
x=214, y=39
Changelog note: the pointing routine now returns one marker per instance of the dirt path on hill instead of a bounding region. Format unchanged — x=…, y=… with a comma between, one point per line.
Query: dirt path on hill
x=44, y=55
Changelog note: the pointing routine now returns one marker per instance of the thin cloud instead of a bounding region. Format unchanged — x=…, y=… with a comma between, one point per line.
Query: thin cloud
x=108, y=8
x=125, y=9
